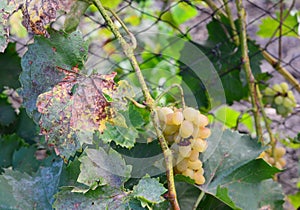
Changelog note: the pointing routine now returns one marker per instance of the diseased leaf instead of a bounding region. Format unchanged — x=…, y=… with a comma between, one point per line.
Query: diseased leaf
x=70, y=116
x=101, y=198
x=7, y=7
x=101, y=168
x=149, y=191
x=40, y=64
x=38, y=13
x=19, y=190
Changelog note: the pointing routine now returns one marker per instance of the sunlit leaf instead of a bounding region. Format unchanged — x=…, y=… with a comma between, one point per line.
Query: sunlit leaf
x=289, y=26
x=149, y=190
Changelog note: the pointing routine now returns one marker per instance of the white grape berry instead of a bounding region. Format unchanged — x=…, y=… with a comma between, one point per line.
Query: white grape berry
x=189, y=113
x=186, y=129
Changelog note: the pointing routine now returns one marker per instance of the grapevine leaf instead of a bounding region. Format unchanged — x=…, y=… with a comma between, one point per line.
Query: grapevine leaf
x=294, y=200
x=70, y=116
x=101, y=168
x=8, y=145
x=7, y=113
x=101, y=198
x=40, y=64
x=149, y=191
x=10, y=67
x=138, y=117
x=20, y=190
x=7, y=7
x=24, y=160
x=73, y=17
x=183, y=8
x=122, y=136
x=38, y=13
x=289, y=26
x=231, y=170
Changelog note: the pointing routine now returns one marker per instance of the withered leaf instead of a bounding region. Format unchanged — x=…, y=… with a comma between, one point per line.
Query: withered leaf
x=38, y=13
x=74, y=109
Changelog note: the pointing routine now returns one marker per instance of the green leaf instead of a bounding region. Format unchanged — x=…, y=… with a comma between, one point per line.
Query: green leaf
x=24, y=160
x=230, y=117
x=149, y=191
x=183, y=8
x=289, y=26
x=138, y=117
x=74, y=16
x=122, y=136
x=233, y=173
x=7, y=113
x=101, y=198
x=40, y=64
x=101, y=168
x=8, y=145
x=19, y=190
x=111, y=3
x=294, y=200
x=10, y=67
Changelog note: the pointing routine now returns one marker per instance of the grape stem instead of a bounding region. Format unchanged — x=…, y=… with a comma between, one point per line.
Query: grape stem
x=198, y=200
x=168, y=90
x=149, y=102
x=246, y=65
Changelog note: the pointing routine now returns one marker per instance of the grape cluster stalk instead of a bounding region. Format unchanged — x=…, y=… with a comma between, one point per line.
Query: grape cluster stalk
x=186, y=131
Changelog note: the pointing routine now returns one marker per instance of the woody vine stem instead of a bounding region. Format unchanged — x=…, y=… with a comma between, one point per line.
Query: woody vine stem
x=150, y=103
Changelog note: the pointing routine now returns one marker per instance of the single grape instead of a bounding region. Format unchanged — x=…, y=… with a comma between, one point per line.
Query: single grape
x=196, y=131
x=182, y=165
x=277, y=88
x=279, y=152
x=199, y=178
x=188, y=172
x=203, y=120
x=185, y=151
x=186, y=129
x=271, y=160
x=287, y=102
x=200, y=145
x=282, y=110
x=189, y=113
x=204, y=132
x=177, y=118
x=270, y=92
x=282, y=162
x=284, y=87
x=162, y=113
x=194, y=155
x=278, y=100
x=169, y=119
x=291, y=96
x=195, y=165
x=170, y=129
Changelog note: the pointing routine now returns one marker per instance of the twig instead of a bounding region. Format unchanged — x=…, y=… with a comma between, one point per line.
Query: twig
x=269, y=58
x=247, y=68
x=128, y=50
x=168, y=89
x=280, y=32
x=231, y=21
x=285, y=73
x=198, y=200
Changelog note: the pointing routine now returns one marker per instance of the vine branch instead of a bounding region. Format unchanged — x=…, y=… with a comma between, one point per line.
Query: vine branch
x=247, y=68
x=129, y=52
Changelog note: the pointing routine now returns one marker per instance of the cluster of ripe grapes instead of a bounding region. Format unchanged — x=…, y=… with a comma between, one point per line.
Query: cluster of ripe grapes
x=274, y=158
x=185, y=131
x=281, y=98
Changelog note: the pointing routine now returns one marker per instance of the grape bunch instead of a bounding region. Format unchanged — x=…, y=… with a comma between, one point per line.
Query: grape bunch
x=274, y=158
x=280, y=98
x=185, y=131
